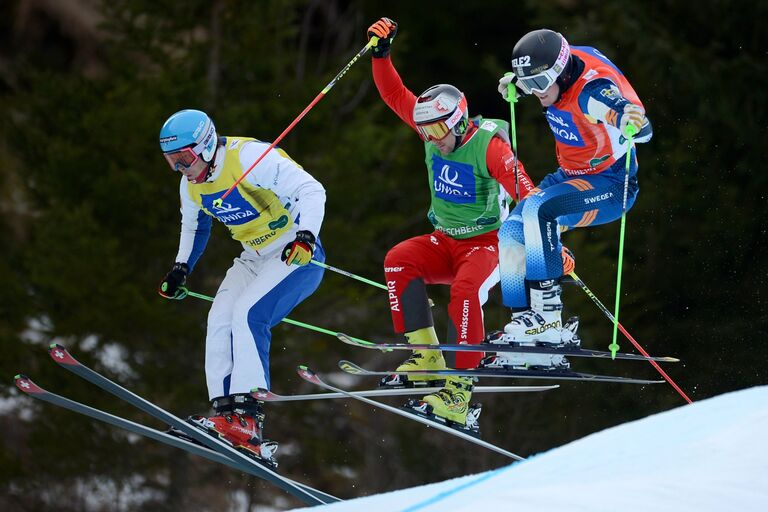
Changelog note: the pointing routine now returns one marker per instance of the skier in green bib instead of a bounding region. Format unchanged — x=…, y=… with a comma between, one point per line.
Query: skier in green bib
x=472, y=172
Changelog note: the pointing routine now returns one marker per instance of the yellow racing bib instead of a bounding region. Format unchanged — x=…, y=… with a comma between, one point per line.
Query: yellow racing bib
x=253, y=215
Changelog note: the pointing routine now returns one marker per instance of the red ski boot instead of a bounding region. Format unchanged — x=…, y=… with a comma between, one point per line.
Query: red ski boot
x=239, y=420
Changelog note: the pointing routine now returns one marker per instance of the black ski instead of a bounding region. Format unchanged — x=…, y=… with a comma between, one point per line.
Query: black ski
x=310, y=376
x=26, y=385
x=59, y=354
x=354, y=369
x=497, y=347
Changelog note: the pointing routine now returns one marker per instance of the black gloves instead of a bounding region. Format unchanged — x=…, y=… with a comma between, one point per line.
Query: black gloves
x=172, y=285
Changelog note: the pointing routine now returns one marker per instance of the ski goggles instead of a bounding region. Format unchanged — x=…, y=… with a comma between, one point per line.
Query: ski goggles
x=181, y=159
x=537, y=83
x=434, y=131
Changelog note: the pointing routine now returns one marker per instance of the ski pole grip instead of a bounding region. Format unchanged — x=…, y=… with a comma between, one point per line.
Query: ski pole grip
x=630, y=131
x=511, y=89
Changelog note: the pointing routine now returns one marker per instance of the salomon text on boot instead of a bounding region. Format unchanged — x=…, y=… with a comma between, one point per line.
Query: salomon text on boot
x=542, y=323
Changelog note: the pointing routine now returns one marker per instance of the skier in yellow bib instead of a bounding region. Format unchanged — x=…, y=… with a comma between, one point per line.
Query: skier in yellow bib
x=275, y=213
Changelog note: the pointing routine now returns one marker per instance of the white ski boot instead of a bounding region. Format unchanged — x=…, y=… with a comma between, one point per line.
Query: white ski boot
x=541, y=325
x=518, y=361
x=542, y=322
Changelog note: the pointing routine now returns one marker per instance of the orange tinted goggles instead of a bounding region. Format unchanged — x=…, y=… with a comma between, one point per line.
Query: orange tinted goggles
x=434, y=131
x=184, y=158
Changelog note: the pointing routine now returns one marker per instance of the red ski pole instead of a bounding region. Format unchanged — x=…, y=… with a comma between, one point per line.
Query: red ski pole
x=629, y=337
x=371, y=43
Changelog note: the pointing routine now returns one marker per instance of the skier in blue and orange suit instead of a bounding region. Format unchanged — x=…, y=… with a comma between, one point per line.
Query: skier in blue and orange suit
x=592, y=110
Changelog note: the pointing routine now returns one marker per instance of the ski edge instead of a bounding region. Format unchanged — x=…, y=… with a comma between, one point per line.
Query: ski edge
x=491, y=347
x=37, y=392
x=354, y=369
x=62, y=357
x=270, y=396
x=310, y=376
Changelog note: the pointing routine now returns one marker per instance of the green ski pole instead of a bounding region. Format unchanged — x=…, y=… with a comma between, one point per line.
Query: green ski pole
x=512, y=99
x=614, y=347
x=286, y=320
x=348, y=274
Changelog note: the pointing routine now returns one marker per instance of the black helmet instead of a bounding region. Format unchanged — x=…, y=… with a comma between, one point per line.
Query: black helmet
x=538, y=60
x=439, y=110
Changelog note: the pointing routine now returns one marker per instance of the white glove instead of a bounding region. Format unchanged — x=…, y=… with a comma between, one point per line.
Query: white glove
x=504, y=85
x=633, y=117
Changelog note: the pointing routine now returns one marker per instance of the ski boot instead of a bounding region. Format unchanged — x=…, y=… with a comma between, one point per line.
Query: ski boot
x=239, y=420
x=419, y=360
x=541, y=323
x=451, y=406
x=569, y=337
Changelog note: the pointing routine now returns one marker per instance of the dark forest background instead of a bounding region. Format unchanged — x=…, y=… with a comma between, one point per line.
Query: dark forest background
x=89, y=226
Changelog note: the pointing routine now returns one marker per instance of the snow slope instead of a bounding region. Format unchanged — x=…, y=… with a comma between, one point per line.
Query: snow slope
x=709, y=456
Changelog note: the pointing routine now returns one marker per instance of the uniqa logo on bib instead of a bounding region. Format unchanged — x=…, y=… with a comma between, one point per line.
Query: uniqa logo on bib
x=234, y=211
x=453, y=181
x=562, y=125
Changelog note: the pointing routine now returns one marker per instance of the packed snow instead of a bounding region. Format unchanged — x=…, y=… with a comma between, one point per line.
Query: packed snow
x=708, y=456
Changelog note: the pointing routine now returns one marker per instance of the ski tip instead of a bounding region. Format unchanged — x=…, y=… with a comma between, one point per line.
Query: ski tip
x=347, y=366
x=26, y=385
x=357, y=342
x=308, y=375
x=264, y=395
x=59, y=354
x=349, y=340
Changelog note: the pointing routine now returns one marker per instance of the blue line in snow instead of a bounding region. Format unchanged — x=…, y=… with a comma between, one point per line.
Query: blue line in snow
x=446, y=494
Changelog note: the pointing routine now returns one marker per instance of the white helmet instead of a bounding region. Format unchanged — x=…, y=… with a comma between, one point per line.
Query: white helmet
x=440, y=110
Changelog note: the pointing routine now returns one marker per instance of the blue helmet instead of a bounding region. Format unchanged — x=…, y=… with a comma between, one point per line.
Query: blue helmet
x=189, y=129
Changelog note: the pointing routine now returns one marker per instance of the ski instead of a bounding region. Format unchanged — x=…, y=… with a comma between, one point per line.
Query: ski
x=310, y=376
x=354, y=369
x=268, y=396
x=497, y=347
x=27, y=386
x=62, y=357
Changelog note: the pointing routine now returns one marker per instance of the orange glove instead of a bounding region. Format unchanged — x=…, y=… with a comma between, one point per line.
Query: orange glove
x=386, y=30
x=569, y=261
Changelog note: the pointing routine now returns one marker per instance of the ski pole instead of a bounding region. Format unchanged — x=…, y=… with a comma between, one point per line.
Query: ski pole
x=616, y=323
x=512, y=99
x=371, y=43
x=359, y=278
x=348, y=274
x=286, y=320
x=630, y=132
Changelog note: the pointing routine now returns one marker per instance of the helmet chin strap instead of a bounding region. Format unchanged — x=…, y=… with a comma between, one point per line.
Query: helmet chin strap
x=203, y=176
x=206, y=173
x=457, y=142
